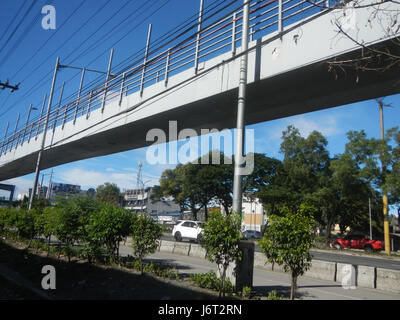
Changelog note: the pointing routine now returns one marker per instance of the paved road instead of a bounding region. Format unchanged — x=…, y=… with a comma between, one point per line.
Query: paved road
x=344, y=257
x=265, y=281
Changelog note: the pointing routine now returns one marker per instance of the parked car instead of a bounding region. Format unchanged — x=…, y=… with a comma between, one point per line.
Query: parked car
x=251, y=234
x=357, y=242
x=187, y=229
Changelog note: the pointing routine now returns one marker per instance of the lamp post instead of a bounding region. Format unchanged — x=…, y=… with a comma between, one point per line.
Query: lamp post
x=39, y=158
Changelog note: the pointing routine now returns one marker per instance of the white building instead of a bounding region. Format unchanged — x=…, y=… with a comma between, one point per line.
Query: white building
x=253, y=214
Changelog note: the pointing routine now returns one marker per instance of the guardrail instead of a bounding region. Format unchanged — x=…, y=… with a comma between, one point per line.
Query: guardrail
x=218, y=37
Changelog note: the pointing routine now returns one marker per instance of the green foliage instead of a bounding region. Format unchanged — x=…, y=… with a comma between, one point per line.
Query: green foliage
x=109, y=226
x=273, y=295
x=108, y=193
x=145, y=235
x=287, y=241
x=158, y=269
x=246, y=292
x=210, y=280
x=221, y=237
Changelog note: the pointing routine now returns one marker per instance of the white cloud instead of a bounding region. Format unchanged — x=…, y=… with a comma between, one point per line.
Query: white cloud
x=92, y=179
x=327, y=125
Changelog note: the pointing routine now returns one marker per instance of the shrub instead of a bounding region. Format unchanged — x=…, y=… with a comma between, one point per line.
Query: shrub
x=221, y=239
x=246, y=292
x=145, y=233
x=210, y=280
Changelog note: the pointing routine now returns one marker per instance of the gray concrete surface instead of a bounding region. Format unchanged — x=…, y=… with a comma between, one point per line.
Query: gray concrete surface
x=264, y=280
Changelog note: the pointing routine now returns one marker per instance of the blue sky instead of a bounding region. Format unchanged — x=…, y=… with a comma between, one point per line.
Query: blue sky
x=31, y=53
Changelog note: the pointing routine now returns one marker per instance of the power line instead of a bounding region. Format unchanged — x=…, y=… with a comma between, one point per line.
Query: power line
x=13, y=19
x=18, y=25
x=48, y=39
x=183, y=25
x=40, y=82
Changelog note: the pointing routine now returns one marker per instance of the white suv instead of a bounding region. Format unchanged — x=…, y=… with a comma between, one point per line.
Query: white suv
x=188, y=229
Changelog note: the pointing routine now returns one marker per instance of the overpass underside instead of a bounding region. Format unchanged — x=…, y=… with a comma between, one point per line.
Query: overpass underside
x=288, y=75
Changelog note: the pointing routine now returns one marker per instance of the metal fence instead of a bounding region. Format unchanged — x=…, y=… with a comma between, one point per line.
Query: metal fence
x=212, y=39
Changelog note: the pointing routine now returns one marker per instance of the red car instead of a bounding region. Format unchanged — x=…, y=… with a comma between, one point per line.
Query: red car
x=357, y=242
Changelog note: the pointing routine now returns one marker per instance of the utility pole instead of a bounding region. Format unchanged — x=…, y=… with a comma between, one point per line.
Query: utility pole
x=39, y=158
x=48, y=194
x=239, y=139
x=384, y=196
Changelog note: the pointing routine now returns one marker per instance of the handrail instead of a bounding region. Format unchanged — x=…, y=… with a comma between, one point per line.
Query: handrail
x=220, y=36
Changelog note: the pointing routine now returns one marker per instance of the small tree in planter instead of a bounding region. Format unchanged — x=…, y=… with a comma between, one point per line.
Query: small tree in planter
x=145, y=235
x=287, y=241
x=221, y=237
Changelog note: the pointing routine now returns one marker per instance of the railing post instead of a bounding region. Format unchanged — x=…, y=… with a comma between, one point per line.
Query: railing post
x=280, y=13
x=15, y=131
x=41, y=115
x=89, y=103
x=58, y=107
x=79, y=93
x=26, y=123
x=107, y=79
x=145, y=60
x=4, y=139
x=327, y=3
x=196, y=58
x=234, y=18
x=167, y=67
x=121, y=93
x=30, y=133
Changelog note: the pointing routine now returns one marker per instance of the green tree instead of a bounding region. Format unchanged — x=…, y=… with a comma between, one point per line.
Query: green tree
x=108, y=227
x=221, y=237
x=145, y=235
x=305, y=164
x=287, y=241
x=108, y=193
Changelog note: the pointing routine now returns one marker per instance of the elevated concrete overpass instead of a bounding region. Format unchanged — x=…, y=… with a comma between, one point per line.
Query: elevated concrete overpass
x=288, y=75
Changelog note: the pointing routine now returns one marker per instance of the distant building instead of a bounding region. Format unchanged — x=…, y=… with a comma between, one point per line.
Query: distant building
x=254, y=217
x=138, y=200
x=253, y=214
x=41, y=192
x=65, y=188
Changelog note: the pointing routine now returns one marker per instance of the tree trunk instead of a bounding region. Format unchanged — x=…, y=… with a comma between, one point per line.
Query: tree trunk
x=293, y=287
x=205, y=212
x=48, y=245
x=328, y=231
x=141, y=265
x=222, y=289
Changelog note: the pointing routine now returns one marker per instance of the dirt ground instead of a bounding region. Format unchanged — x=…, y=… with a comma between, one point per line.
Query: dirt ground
x=80, y=280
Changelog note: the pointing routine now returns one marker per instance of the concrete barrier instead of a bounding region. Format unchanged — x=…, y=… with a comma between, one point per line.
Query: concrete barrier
x=260, y=261
x=167, y=246
x=366, y=277
x=388, y=280
x=323, y=270
x=197, y=251
x=346, y=274
x=182, y=248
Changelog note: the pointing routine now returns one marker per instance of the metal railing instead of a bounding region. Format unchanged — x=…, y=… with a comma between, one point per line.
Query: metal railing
x=216, y=38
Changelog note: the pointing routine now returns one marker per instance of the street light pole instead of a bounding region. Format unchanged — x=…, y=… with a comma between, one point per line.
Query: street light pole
x=239, y=139
x=39, y=158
